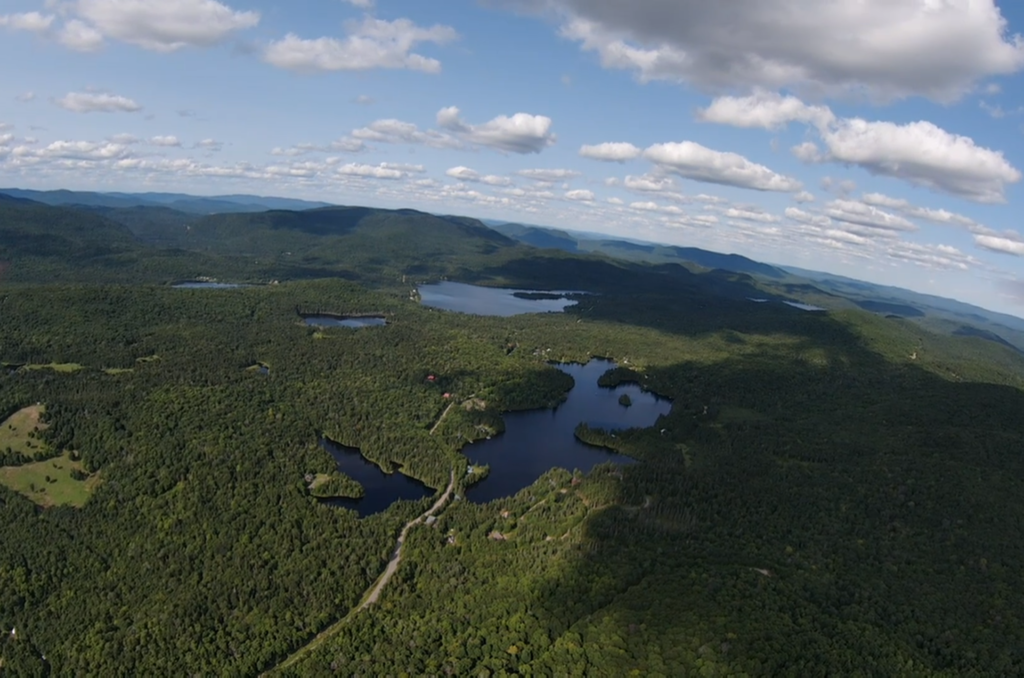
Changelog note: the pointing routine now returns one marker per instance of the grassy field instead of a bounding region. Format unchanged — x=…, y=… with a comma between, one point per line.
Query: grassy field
x=15, y=431
x=49, y=483
x=57, y=367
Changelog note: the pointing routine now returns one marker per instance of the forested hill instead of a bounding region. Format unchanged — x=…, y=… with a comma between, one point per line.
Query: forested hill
x=538, y=236
x=830, y=493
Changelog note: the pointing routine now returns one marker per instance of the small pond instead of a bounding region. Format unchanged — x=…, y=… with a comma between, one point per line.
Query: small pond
x=538, y=440
x=344, y=321
x=381, y=489
x=453, y=296
x=205, y=285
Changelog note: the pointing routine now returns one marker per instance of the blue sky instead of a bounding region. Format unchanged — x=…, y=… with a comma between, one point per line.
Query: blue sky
x=881, y=139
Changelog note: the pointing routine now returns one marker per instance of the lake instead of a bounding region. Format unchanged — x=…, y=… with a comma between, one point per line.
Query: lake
x=536, y=441
x=381, y=489
x=804, y=307
x=200, y=285
x=344, y=321
x=453, y=296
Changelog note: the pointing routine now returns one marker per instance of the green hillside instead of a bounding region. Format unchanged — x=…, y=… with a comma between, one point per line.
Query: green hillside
x=831, y=494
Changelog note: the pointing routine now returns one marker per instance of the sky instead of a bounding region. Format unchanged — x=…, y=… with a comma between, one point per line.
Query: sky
x=878, y=139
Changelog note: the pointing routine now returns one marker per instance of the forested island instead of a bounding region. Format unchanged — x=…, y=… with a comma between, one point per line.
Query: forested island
x=831, y=493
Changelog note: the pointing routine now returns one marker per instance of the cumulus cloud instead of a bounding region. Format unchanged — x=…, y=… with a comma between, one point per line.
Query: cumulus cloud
x=611, y=152
x=1008, y=243
x=80, y=36
x=370, y=44
x=885, y=48
x=520, y=133
x=767, y=110
x=919, y=153
x=156, y=24
x=580, y=195
x=32, y=22
x=466, y=174
x=362, y=4
x=25, y=97
x=381, y=171
x=165, y=141
x=937, y=216
x=804, y=217
x=925, y=155
x=803, y=196
x=391, y=131
x=863, y=214
x=693, y=161
x=93, y=102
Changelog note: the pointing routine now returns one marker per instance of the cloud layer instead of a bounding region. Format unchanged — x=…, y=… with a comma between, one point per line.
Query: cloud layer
x=886, y=48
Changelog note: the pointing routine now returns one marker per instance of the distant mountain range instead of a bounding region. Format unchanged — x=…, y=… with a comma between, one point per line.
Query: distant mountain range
x=265, y=226
x=825, y=289
x=178, y=201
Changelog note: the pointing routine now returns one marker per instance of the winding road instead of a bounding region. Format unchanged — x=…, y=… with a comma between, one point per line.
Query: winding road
x=373, y=593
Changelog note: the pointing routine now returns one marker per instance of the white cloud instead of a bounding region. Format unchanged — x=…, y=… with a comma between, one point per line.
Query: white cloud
x=548, y=176
x=767, y=110
x=648, y=183
x=611, y=152
x=209, y=144
x=72, y=150
x=364, y=100
x=165, y=141
x=382, y=171
x=520, y=133
x=904, y=207
x=750, y=215
x=390, y=131
x=371, y=44
x=466, y=174
x=93, y=102
x=342, y=145
x=25, y=97
x=693, y=161
x=362, y=4
x=923, y=154
x=920, y=153
x=580, y=195
x=803, y=196
x=80, y=36
x=807, y=217
x=885, y=48
x=863, y=214
x=164, y=26
x=33, y=22
x=1001, y=244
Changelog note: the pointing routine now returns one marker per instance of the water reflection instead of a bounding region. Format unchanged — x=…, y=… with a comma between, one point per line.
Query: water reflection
x=453, y=296
x=536, y=441
x=381, y=489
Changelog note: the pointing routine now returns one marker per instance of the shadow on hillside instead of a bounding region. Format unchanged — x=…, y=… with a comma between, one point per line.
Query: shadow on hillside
x=855, y=517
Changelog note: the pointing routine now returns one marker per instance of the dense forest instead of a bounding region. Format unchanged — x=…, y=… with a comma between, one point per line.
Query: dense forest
x=831, y=493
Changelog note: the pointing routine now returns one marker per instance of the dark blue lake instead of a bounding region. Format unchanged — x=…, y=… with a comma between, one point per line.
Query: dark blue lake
x=536, y=441
x=335, y=321
x=381, y=489
x=453, y=296
x=199, y=285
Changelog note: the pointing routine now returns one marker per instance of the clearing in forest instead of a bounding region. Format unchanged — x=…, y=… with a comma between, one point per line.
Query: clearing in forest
x=16, y=432
x=50, y=482
x=66, y=368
